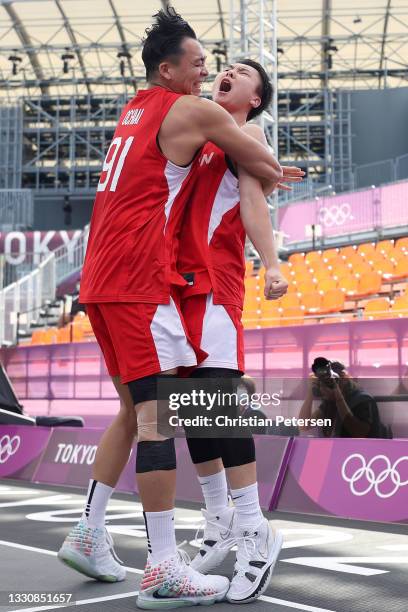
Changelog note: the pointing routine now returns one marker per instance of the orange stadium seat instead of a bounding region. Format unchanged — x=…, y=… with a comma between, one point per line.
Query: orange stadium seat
x=260, y=273
x=375, y=258
x=354, y=259
x=289, y=300
x=284, y=268
x=313, y=258
x=38, y=336
x=385, y=246
x=252, y=284
x=321, y=273
x=292, y=287
x=270, y=317
x=296, y=258
x=301, y=269
x=402, y=244
x=366, y=249
x=64, y=334
x=304, y=278
x=339, y=269
x=307, y=286
x=348, y=284
x=377, y=309
x=332, y=301
x=267, y=305
x=311, y=302
x=386, y=269
x=250, y=323
x=400, y=307
x=252, y=305
x=251, y=310
x=327, y=284
x=87, y=327
x=401, y=268
x=369, y=284
x=50, y=335
x=362, y=269
x=292, y=316
x=249, y=267
x=348, y=251
x=330, y=254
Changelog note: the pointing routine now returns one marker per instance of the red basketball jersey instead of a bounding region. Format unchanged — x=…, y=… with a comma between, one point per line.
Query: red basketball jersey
x=213, y=238
x=141, y=195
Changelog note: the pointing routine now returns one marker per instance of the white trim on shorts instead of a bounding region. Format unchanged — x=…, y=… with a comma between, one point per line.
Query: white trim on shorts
x=172, y=346
x=219, y=337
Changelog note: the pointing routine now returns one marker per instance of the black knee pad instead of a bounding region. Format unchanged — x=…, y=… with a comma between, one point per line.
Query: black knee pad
x=155, y=455
x=145, y=389
x=203, y=449
x=237, y=451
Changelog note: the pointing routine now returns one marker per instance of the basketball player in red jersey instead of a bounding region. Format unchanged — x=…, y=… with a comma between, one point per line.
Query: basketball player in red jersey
x=220, y=213
x=128, y=284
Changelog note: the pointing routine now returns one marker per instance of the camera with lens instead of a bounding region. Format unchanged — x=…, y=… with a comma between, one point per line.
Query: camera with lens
x=323, y=369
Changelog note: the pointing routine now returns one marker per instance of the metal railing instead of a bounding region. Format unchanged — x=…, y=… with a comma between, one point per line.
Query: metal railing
x=70, y=259
x=365, y=175
x=26, y=296
x=21, y=302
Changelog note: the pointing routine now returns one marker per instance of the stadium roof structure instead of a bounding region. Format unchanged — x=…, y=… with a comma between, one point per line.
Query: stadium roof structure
x=64, y=47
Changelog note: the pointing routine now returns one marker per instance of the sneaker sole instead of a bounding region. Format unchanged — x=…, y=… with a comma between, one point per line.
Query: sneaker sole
x=77, y=562
x=266, y=576
x=174, y=602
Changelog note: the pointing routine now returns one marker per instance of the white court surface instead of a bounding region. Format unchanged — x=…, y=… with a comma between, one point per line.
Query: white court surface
x=326, y=565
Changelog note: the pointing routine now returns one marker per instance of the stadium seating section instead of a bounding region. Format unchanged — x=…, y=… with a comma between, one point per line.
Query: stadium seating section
x=368, y=281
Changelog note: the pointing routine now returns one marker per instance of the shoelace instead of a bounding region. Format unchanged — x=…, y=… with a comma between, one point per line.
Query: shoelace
x=228, y=543
x=247, y=555
x=184, y=564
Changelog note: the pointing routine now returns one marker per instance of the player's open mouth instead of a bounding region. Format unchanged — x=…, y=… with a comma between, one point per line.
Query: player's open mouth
x=225, y=86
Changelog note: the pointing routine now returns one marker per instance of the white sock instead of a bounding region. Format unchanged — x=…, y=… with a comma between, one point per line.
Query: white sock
x=96, y=502
x=247, y=508
x=161, y=536
x=215, y=491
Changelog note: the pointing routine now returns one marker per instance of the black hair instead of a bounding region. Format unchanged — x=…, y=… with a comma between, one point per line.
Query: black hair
x=163, y=39
x=264, y=91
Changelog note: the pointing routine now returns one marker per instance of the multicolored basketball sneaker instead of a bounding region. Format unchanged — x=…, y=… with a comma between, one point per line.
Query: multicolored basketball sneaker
x=89, y=550
x=174, y=584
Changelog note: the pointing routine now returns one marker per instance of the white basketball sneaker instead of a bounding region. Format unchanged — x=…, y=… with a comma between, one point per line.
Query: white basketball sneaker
x=258, y=551
x=217, y=540
x=173, y=583
x=89, y=550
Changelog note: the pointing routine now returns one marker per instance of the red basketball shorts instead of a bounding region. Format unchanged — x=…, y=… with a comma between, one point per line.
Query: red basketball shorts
x=139, y=339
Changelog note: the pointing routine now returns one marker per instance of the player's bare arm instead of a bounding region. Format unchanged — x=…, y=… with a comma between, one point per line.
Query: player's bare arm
x=257, y=223
x=193, y=121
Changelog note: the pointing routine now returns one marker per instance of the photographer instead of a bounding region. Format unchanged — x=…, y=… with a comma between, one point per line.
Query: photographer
x=353, y=412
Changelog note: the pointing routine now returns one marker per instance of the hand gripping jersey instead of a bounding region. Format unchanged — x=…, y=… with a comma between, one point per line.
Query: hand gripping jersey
x=212, y=240
x=141, y=195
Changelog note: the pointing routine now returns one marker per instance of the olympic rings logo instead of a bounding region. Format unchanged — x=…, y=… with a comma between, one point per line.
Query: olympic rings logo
x=8, y=447
x=374, y=477
x=335, y=215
